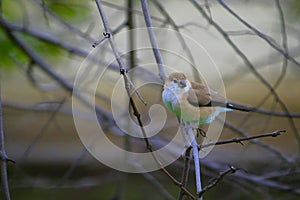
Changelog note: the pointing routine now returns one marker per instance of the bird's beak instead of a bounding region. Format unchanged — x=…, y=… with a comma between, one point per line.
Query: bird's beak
x=182, y=83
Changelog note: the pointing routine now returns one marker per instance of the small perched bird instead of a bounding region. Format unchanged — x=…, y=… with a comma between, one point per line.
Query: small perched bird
x=193, y=101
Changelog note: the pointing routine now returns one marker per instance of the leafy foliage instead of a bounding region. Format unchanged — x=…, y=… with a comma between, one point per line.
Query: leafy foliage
x=17, y=12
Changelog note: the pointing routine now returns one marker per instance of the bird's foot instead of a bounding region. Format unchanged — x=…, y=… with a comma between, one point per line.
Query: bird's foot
x=200, y=131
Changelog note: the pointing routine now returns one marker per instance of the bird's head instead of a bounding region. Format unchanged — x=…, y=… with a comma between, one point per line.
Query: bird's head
x=178, y=83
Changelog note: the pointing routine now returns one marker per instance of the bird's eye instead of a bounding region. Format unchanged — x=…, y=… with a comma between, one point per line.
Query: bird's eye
x=175, y=80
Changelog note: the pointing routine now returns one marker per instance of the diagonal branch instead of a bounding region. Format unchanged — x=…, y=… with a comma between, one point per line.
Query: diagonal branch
x=273, y=150
x=251, y=67
x=135, y=11
x=155, y=48
x=255, y=181
x=136, y=113
x=271, y=42
x=239, y=140
x=47, y=68
x=216, y=180
x=184, y=45
x=64, y=23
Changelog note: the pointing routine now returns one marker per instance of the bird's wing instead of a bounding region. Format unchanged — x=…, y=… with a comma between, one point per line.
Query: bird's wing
x=199, y=94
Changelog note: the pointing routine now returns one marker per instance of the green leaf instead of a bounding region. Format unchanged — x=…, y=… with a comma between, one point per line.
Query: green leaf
x=11, y=55
x=12, y=10
x=69, y=10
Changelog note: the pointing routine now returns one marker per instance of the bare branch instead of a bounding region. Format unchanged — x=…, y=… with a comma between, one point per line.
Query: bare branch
x=270, y=180
x=157, y=185
x=185, y=47
x=111, y=41
x=260, y=34
x=72, y=168
x=285, y=47
x=251, y=67
x=216, y=180
x=3, y=157
x=185, y=173
x=62, y=22
x=105, y=36
x=43, y=128
x=138, y=12
x=239, y=140
x=123, y=70
x=27, y=50
x=252, y=180
x=259, y=143
x=155, y=48
x=136, y=113
x=240, y=33
x=195, y=151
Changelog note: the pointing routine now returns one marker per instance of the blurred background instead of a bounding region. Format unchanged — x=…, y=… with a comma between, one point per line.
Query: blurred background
x=244, y=61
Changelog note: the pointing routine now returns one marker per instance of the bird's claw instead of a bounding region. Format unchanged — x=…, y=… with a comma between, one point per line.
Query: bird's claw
x=200, y=131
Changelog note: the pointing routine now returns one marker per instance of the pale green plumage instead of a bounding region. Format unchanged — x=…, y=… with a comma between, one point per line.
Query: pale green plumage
x=176, y=97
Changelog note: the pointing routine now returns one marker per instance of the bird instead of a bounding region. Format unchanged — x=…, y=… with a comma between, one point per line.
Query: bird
x=194, y=101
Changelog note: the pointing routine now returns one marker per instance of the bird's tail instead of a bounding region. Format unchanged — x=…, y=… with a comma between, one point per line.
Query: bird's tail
x=233, y=106
x=239, y=107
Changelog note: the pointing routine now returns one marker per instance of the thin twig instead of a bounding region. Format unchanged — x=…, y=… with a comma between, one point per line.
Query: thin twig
x=119, y=27
x=255, y=181
x=260, y=34
x=47, y=68
x=285, y=60
x=166, y=195
x=123, y=70
x=282, y=74
x=185, y=173
x=42, y=131
x=216, y=180
x=136, y=113
x=135, y=11
x=74, y=49
x=162, y=72
x=105, y=36
x=239, y=140
x=184, y=45
x=252, y=68
x=72, y=168
x=149, y=147
x=111, y=41
x=155, y=48
x=240, y=33
x=3, y=157
x=259, y=143
x=131, y=36
x=64, y=23
x=284, y=46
